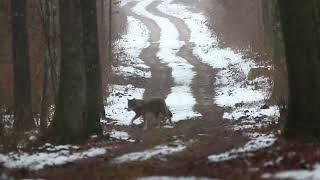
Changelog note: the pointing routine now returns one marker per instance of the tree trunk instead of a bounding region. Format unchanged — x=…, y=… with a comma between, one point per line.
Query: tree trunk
x=301, y=28
x=95, y=107
x=44, y=112
x=110, y=31
x=69, y=123
x=48, y=13
x=22, y=79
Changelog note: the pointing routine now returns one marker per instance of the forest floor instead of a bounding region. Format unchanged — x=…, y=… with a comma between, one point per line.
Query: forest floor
x=198, y=60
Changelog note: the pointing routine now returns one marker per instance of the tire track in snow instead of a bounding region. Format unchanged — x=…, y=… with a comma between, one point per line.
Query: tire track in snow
x=161, y=81
x=180, y=100
x=128, y=50
x=203, y=82
x=232, y=84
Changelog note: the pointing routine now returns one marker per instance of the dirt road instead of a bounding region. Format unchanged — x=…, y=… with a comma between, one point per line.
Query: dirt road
x=189, y=69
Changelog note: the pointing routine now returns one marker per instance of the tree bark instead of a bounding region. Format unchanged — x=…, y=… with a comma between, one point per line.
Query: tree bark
x=48, y=13
x=95, y=107
x=301, y=29
x=44, y=112
x=69, y=123
x=21, y=66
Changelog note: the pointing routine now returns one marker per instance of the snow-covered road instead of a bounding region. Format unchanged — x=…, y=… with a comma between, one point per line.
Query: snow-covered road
x=180, y=100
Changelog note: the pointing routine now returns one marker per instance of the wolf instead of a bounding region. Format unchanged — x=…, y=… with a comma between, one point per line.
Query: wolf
x=144, y=108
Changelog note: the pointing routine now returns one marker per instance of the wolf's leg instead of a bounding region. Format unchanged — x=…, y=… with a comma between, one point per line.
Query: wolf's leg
x=135, y=117
x=169, y=115
x=159, y=119
x=148, y=119
x=145, y=127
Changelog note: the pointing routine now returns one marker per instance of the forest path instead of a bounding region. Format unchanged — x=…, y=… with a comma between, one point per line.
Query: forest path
x=187, y=84
x=177, y=72
x=161, y=81
x=196, y=76
x=203, y=81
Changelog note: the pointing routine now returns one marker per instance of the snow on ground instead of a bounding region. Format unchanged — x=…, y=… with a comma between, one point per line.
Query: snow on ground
x=120, y=135
x=312, y=174
x=230, y=90
x=125, y=2
x=7, y=121
x=240, y=97
x=129, y=71
x=273, y=162
x=253, y=112
x=174, y=178
x=253, y=117
x=258, y=142
x=51, y=148
x=158, y=151
x=117, y=103
x=234, y=88
x=128, y=49
x=181, y=100
x=54, y=156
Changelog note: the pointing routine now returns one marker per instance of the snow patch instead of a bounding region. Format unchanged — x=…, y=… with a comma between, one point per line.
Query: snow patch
x=230, y=96
x=253, y=117
x=158, y=151
x=117, y=103
x=128, y=49
x=182, y=72
x=273, y=162
x=7, y=121
x=129, y=71
x=253, y=112
x=120, y=135
x=50, y=147
x=258, y=141
x=179, y=101
x=39, y=160
x=125, y=2
x=312, y=174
